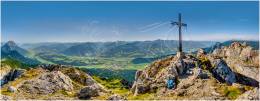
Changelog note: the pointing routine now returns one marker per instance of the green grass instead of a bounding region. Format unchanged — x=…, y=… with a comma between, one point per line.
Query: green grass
x=116, y=87
x=15, y=64
x=129, y=66
x=90, y=62
x=137, y=66
x=112, y=84
x=231, y=92
x=109, y=83
x=11, y=62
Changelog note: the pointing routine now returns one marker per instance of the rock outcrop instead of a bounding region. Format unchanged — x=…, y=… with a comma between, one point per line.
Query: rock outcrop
x=222, y=72
x=250, y=95
x=90, y=91
x=201, y=82
x=53, y=82
x=201, y=53
x=4, y=97
x=156, y=75
x=9, y=74
x=48, y=83
x=5, y=70
x=11, y=89
x=241, y=58
x=116, y=97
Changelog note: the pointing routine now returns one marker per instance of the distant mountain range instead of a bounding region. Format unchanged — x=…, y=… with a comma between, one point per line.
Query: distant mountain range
x=218, y=45
x=141, y=51
x=12, y=51
x=118, y=48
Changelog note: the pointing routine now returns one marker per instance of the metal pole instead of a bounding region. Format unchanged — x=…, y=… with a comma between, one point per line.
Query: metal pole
x=180, y=38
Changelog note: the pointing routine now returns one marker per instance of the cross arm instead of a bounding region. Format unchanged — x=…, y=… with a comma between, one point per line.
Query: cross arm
x=174, y=23
x=183, y=24
x=177, y=23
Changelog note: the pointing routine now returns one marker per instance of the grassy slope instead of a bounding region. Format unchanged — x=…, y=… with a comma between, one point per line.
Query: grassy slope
x=116, y=87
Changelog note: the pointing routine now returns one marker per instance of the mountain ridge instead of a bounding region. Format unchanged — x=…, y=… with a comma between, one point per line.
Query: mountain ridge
x=13, y=51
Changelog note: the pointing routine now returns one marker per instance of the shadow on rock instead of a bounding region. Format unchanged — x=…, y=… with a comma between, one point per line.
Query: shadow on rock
x=244, y=80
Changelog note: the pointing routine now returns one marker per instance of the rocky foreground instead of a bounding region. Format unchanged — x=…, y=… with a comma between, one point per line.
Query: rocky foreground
x=52, y=82
x=229, y=72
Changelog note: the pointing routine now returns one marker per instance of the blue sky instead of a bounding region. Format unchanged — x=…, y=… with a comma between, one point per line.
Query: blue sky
x=112, y=21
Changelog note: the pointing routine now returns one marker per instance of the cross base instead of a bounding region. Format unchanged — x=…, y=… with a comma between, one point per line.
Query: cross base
x=180, y=55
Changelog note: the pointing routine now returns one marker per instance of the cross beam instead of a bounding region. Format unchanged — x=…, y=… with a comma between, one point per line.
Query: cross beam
x=179, y=24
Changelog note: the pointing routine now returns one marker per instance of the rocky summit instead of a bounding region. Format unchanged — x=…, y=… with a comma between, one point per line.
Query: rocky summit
x=241, y=58
x=53, y=82
x=155, y=76
x=227, y=73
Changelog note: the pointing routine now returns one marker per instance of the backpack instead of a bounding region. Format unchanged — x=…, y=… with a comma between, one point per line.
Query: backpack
x=170, y=84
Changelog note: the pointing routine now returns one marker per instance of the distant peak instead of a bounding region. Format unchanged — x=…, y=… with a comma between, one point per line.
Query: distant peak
x=235, y=44
x=9, y=46
x=11, y=43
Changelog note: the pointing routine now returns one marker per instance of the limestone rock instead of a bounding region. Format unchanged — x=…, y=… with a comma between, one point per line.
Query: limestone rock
x=11, y=89
x=155, y=76
x=241, y=58
x=250, y=95
x=180, y=66
x=137, y=74
x=88, y=92
x=116, y=97
x=5, y=98
x=5, y=70
x=223, y=72
x=200, y=53
x=79, y=76
x=202, y=74
x=47, y=83
x=141, y=89
x=190, y=61
x=53, y=82
x=180, y=55
x=9, y=74
x=172, y=70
